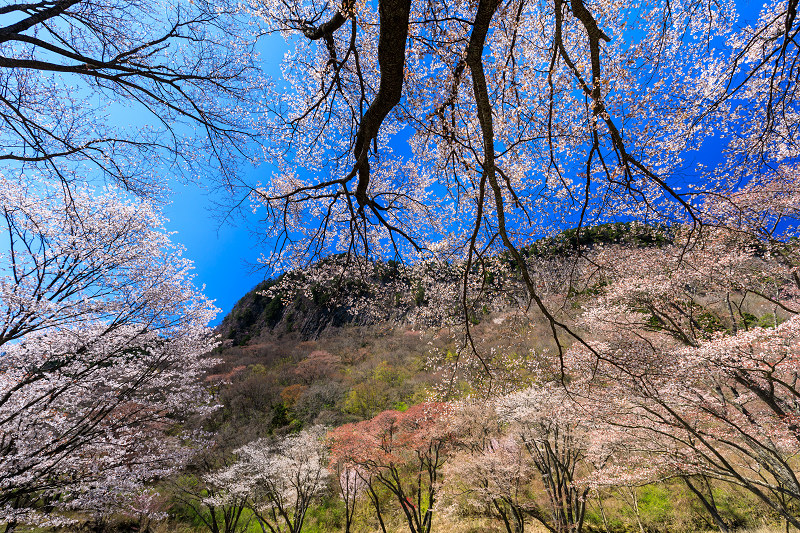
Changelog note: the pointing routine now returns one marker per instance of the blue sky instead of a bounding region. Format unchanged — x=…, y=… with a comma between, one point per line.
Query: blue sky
x=223, y=253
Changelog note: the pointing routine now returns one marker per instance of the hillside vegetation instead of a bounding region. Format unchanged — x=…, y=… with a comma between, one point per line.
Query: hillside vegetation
x=295, y=359
x=362, y=403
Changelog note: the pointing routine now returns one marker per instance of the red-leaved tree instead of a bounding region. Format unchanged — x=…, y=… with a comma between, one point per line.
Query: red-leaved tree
x=401, y=451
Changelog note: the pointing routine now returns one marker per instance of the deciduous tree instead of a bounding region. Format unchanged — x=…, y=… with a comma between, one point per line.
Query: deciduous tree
x=126, y=90
x=556, y=434
x=102, y=338
x=278, y=480
x=490, y=472
x=402, y=451
x=523, y=118
x=686, y=369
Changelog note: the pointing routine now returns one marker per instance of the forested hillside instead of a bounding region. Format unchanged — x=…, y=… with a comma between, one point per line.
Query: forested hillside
x=505, y=431
x=379, y=404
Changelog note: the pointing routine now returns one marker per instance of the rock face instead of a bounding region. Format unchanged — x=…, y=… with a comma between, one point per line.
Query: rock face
x=256, y=312
x=393, y=291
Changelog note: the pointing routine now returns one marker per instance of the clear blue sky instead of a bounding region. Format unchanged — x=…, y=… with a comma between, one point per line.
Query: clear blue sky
x=223, y=253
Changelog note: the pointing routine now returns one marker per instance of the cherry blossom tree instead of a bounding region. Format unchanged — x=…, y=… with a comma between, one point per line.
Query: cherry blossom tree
x=726, y=410
x=125, y=90
x=490, y=472
x=523, y=119
x=403, y=452
x=278, y=480
x=555, y=433
x=498, y=476
x=318, y=365
x=351, y=485
x=209, y=504
x=102, y=340
x=681, y=362
x=102, y=331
